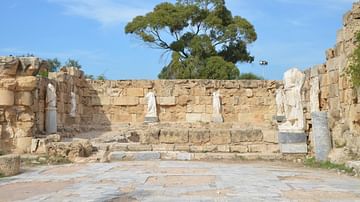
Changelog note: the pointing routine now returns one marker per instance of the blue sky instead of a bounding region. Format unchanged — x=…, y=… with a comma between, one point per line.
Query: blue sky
x=291, y=33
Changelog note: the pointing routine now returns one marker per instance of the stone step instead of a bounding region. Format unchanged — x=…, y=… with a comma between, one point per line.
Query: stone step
x=136, y=147
x=186, y=156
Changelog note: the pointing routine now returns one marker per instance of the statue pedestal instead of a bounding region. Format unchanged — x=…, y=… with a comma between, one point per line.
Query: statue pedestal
x=217, y=118
x=293, y=141
x=151, y=119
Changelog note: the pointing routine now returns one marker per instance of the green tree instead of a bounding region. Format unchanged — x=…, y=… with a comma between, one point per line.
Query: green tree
x=89, y=76
x=198, y=33
x=72, y=63
x=54, y=64
x=101, y=77
x=354, y=68
x=250, y=76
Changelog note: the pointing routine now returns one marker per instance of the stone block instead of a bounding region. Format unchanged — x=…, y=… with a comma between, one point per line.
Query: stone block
x=290, y=138
x=150, y=136
x=26, y=83
x=300, y=148
x=184, y=148
x=10, y=165
x=24, y=98
x=257, y=148
x=333, y=90
x=193, y=117
x=183, y=100
x=139, y=147
x=7, y=98
x=239, y=148
x=223, y=148
x=183, y=156
x=270, y=136
x=142, y=156
x=249, y=84
x=23, y=144
x=163, y=147
x=195, y=108
x=8, y=65
x=199, y=136
x=167, y=101
x=8, y=83
x=249, y=93
x=116, y=156
x=220, y=137
x=246, y=135
x=174, y=136
x=136, y=92
x=126, y=101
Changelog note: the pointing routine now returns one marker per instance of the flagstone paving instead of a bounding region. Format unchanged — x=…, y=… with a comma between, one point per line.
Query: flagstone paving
x=179, y=181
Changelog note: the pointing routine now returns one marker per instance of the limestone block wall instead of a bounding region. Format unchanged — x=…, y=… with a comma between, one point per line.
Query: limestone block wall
x=246, y=103
x=337, y=95
x=18, y=85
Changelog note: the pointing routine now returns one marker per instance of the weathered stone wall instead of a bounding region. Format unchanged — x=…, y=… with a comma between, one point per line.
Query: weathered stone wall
x=17, y=94
x=337, y=95
x=247, y=103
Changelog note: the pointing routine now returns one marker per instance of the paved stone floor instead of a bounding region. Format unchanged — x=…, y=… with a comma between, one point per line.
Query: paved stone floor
x=179, y=181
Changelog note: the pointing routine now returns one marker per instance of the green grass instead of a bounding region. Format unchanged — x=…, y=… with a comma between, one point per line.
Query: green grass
x=311, y=162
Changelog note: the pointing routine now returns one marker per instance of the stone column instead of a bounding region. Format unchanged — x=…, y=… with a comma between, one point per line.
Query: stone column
x=321, y=135
x=51, y=115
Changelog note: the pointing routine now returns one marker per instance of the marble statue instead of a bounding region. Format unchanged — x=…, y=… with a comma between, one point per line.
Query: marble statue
x=280, y=96
x=314, y=94
x=293, y=82
x=73, y=105
x=216, y=101
x=51, y=120
x=50, y=96
x=151, y=112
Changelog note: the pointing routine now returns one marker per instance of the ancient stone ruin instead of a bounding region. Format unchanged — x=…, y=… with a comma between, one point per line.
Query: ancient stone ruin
x=312, y=112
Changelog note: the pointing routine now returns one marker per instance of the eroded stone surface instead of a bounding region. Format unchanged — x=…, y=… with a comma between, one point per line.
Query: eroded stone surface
x=179, y=181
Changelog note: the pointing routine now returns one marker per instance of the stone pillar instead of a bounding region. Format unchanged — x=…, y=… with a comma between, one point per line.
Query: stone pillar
x=51, y=120
x=321, y=135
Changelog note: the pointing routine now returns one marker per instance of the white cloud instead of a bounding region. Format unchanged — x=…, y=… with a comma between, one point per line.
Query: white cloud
x=106, y=12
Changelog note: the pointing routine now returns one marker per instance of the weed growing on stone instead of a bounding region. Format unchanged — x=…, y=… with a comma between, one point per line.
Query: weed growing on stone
x=311, y=162
x=2, y=175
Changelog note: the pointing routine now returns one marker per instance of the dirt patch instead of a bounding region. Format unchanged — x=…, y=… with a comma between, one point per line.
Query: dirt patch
x=180, y=180
x=317, y=195
x=25, y=190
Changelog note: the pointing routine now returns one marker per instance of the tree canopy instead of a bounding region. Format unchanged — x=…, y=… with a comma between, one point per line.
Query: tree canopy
x=204, y=38
x=72, y=63
x=54, y=64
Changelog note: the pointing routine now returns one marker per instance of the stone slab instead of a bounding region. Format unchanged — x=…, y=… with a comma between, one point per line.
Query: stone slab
x=151, y=119
x=294, y=148
x=290, y=138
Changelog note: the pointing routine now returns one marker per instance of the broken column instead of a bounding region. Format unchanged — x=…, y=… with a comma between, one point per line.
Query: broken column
x=292, y=135
x=321, y=135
